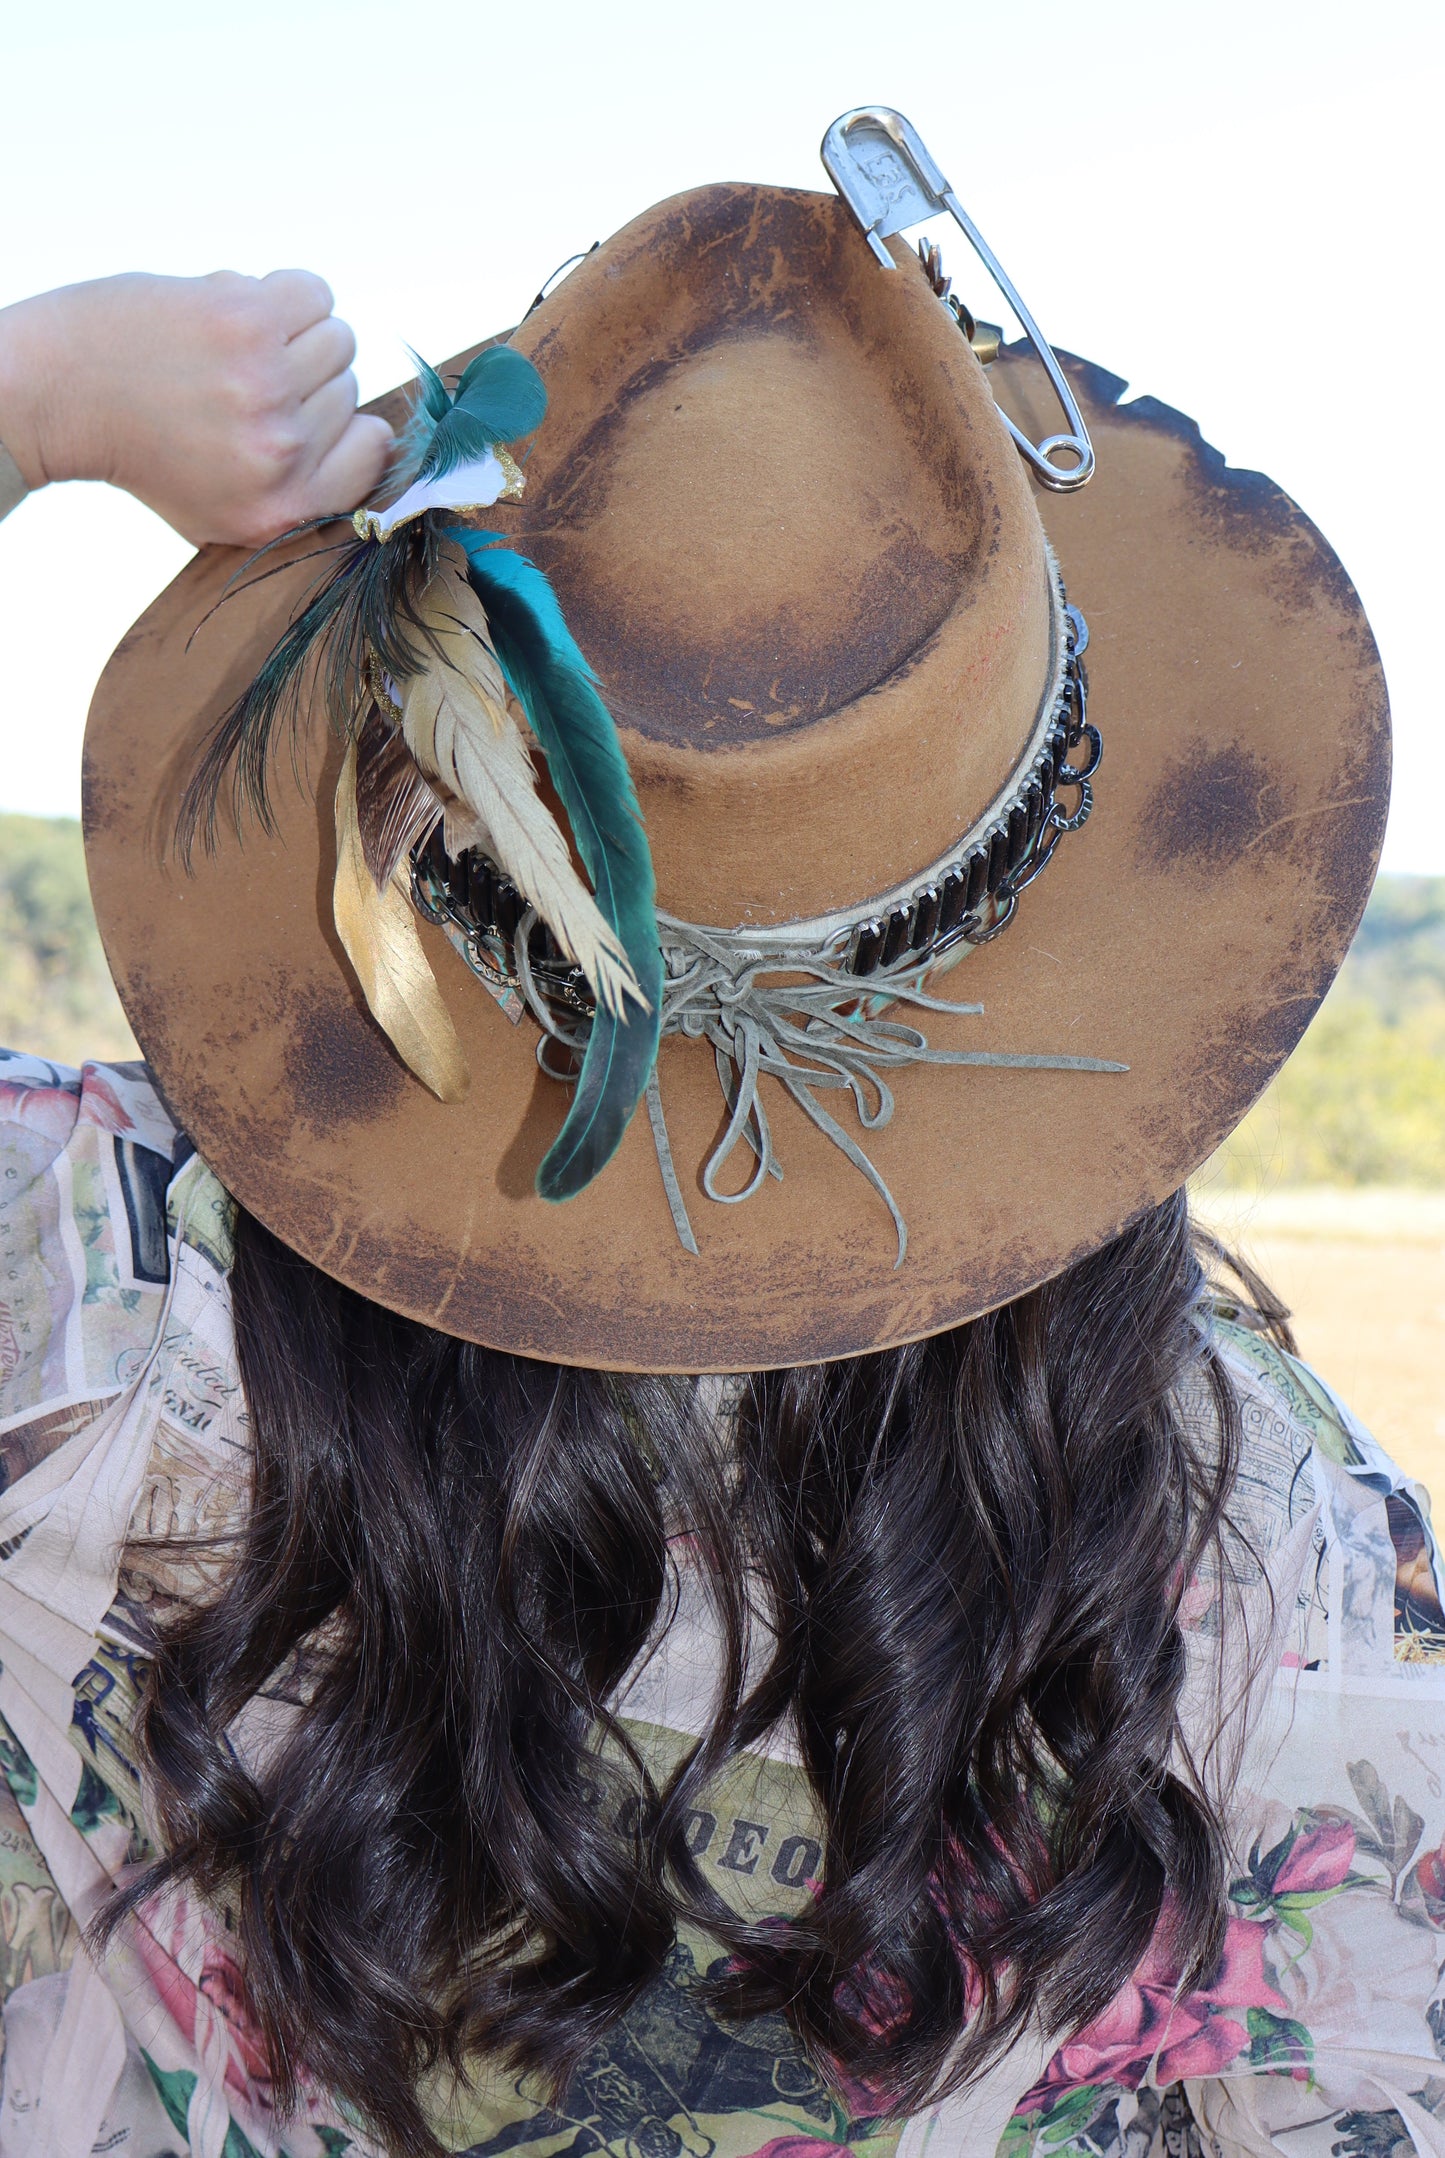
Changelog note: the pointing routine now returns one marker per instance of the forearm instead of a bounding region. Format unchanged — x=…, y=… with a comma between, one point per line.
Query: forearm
x=29, y=336
x=19, y=471
x=12, y=483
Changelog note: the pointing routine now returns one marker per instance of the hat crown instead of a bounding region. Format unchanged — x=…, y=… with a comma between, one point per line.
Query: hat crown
x=793, y=536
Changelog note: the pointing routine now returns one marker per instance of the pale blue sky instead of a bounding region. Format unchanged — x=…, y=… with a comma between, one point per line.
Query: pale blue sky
x=1236, y=206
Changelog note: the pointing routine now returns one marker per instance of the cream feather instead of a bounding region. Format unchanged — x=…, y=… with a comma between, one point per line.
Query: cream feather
x=378, y=930
x=461, y=731
x=460, y=830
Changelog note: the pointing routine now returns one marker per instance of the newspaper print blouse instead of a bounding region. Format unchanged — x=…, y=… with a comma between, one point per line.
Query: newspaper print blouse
x=1320, y=2035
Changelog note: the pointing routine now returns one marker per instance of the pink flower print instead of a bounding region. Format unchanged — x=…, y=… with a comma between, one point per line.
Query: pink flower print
x=1193, y=2036
x=1318, y=1860
x=1430, y=1873
x=167, y=1939
x=798, y=2147
x=48, y=1109
x=54, y=1107
x=101, y=1104
x=1240, y=1981
x=222, y=1985
x=1194, y=1603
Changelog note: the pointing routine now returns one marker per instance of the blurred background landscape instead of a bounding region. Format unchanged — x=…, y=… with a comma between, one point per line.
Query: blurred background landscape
x=56, y=998
x=1334, y=1186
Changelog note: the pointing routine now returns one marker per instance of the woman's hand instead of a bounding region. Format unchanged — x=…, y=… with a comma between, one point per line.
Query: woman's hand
x=227, y=403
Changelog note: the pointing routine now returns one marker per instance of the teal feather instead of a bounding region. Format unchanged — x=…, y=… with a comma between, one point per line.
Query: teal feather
x=500, y=397
x=557, y=690
x=436, y=398
x=429, y=408
x=502, y=391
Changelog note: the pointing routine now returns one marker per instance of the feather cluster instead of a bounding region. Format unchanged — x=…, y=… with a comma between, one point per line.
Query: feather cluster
x=465, y=741
x=443, y=660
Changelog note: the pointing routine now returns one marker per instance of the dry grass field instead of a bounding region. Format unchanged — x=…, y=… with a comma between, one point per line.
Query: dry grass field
x=1363, y=1272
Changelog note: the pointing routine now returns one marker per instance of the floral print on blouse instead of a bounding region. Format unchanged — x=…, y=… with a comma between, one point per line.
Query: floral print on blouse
x=1316, y=1699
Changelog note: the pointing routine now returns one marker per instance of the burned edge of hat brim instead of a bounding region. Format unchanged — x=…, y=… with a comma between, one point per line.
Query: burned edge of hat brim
x=1249, y=508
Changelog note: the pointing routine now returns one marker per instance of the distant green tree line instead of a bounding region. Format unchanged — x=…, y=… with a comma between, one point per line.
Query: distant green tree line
x=1362, y=1100
x=56, y=997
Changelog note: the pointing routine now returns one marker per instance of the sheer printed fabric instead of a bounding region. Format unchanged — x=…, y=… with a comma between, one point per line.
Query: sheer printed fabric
x=1317, y=1697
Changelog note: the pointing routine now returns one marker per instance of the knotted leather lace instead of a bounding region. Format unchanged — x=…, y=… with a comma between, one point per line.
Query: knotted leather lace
x=790, y=1014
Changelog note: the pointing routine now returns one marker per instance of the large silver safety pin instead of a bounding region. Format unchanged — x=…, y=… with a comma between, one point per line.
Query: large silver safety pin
x=884, y=173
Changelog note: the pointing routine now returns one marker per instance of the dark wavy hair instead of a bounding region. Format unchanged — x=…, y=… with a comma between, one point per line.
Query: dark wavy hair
x=959, y=1566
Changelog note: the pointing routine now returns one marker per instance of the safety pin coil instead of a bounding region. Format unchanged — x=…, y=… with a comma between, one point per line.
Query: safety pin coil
x=883, y=171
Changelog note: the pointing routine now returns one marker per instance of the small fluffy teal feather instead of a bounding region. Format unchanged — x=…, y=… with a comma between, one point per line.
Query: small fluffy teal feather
x=499, y=398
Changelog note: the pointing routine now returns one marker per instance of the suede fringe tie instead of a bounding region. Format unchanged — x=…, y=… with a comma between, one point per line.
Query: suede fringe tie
x=816, y=1031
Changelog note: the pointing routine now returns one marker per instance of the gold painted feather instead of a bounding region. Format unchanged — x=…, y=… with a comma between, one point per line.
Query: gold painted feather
x=378, y=929
x=461, y=731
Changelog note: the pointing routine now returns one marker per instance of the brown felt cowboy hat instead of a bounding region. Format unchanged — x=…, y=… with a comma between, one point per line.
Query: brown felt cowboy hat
x=830, y=606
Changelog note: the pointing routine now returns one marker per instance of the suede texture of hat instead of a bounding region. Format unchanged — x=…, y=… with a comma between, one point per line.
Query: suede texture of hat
x=793, y=537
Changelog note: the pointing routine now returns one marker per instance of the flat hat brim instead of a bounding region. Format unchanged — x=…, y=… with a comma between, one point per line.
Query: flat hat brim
x=1188, y=932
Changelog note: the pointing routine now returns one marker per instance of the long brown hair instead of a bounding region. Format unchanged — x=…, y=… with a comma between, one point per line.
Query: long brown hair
x=970, y=1552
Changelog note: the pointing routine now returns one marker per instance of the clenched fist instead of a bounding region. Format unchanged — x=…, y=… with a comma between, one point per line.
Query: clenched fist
x=227, y=403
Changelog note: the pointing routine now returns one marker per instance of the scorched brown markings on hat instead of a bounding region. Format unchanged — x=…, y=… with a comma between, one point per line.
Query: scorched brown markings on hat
x=1223, y=804
x=341, y=1069
x=1212, y=805
x=779, y=610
